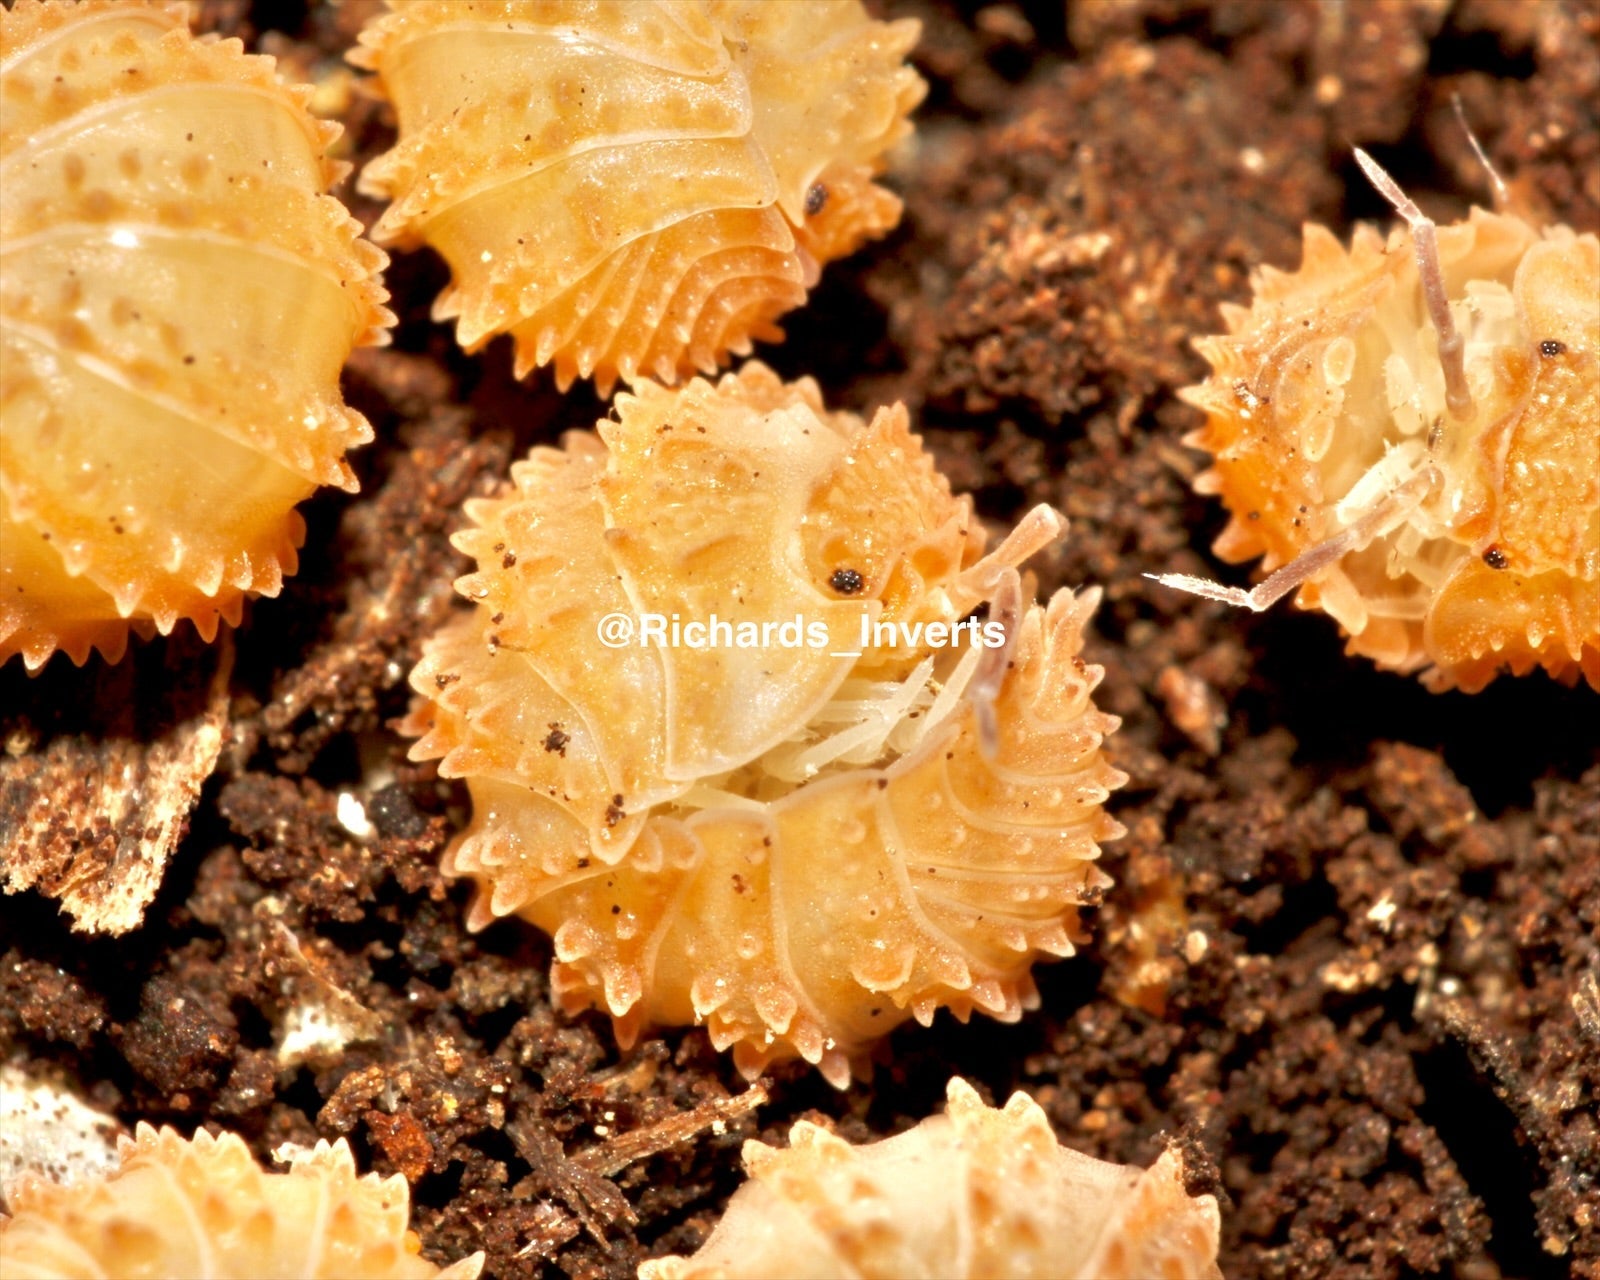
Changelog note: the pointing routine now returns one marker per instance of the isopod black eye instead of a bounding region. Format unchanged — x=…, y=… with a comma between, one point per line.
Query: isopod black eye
x=846, y=581
x=1550, y=348
x=1495, y=558
x=816, y=198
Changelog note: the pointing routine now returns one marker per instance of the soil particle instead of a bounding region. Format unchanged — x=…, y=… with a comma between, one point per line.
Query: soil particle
x=38, y=999
x=1540, y=123
x=1040, y=275
x=394, y=584
x=182, y=1042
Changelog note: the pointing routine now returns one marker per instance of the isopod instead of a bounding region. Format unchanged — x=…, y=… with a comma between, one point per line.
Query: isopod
x=976, y=1192
x=177, y=302
x=1408, y=432
x=639, y=187
x=203, y=1207
x=798, y=846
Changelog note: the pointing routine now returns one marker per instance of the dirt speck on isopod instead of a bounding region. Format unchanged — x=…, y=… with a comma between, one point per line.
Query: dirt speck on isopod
x=1348, y=962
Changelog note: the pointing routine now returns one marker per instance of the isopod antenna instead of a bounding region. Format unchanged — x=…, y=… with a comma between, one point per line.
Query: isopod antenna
x=1452, y=348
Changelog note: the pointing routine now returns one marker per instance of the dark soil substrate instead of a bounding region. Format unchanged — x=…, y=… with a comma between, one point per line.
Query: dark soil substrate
x=1364, y=993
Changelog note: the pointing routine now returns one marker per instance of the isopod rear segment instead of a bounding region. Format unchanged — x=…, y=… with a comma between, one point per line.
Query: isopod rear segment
x=817, y=923
x=635, y=189
x=179, y=296
x=974, y=1192
x=202, y=1206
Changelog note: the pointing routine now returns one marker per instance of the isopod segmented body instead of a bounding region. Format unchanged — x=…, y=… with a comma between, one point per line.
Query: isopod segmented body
x=634, y=188
x=798, y=845
x=203, y=1207
x=177, y=302
x=1439, y=497
x=976, y=1192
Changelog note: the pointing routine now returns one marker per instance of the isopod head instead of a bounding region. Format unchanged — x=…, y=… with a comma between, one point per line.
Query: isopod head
x=978, y=1191
x=799, y=844
x=635, y=188
x=1467, y=534
x=178, y=299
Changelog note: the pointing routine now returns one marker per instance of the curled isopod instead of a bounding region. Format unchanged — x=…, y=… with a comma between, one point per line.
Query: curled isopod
x=635, y=188
x=203, y=1207
x=976, y=1192
x=792, y=825
x=1408, y=431
x=178, y=299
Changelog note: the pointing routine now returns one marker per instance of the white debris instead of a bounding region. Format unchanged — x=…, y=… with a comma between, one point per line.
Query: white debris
x=323, y=1017
x=49, y=1132
x=353, y=816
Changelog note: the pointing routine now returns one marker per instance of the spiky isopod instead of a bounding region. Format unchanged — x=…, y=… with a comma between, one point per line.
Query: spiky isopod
x=203, y=1207
x=976, y=1192
x=799, y=846
x=635, y=188
x=1414, y=443
x=177, y=302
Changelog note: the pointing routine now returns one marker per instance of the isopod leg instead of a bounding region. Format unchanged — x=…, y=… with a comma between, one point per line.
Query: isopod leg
x=1005, y=607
